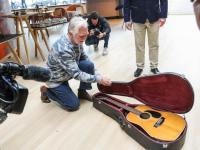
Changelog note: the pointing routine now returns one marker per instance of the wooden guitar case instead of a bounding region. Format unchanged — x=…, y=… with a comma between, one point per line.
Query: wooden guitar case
x=168, y=92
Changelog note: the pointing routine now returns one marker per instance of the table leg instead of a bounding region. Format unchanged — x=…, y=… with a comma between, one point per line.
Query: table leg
x=47, y=32
x=14, y=53
x=45, y=40
x=35, y=32
x=29, y=26
x=24, y=38
x=18, y=42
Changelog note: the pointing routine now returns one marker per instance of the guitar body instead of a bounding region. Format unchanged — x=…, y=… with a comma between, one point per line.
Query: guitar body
x=160, y=125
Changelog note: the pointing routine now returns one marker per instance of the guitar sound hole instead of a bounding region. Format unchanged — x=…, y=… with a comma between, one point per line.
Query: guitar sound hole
x=144, y=116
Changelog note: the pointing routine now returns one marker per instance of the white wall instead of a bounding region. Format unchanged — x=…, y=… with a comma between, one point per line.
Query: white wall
x=183, y=7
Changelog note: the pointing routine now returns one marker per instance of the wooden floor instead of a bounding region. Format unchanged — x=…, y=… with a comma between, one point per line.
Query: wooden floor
x=49, y=127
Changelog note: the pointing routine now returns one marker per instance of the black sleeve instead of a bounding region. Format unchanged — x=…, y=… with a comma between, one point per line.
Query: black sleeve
x=88, y=21
x=89, y=27
x=106, y=25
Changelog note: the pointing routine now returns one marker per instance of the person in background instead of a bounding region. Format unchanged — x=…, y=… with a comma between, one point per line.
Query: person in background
x=13, y=5
x=196, y=6
x=97, y=22
x=24, y=4
x=147, y=16
x=67, y=60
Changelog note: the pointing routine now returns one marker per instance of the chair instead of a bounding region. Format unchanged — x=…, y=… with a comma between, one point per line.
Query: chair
x=80, y=8
x=72, y=7
x=63, y=11
x=57, y=13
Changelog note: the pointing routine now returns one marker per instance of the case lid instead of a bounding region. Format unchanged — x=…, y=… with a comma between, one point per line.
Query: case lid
x=168, y=91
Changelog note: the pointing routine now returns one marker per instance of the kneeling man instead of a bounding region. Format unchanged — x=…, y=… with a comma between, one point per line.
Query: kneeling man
x=68, y=60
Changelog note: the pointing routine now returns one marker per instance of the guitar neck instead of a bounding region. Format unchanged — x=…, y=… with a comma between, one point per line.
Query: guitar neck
x=137, y=112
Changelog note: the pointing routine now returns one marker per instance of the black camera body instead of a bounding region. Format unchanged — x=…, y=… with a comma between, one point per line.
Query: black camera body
x=7, y=94
x=96, y=31
x=13, y=96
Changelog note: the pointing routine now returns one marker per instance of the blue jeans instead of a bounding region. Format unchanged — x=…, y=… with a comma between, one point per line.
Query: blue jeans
x=64, y=95
x=24, y=5
x=95, y=40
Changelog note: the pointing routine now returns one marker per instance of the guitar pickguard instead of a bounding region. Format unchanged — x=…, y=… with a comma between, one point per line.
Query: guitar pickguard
x=154, y=113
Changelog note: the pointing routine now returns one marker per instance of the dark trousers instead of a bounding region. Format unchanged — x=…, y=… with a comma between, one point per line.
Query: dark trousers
x=95, y=40
x=64, y=95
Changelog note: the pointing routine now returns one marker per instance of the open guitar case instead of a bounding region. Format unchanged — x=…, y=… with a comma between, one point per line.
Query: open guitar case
x=167, y=92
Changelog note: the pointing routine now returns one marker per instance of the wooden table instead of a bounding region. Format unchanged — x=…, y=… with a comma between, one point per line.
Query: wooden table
x=44, y=28
x=34, y=9
x=19, y=18
x=6, y=40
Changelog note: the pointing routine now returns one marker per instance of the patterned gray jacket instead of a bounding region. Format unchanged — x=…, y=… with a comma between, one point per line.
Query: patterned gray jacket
x=63, y=61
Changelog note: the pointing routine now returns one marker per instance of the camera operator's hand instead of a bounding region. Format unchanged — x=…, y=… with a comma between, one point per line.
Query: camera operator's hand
x=100, y=35
x=105, y=81
x=91, y=32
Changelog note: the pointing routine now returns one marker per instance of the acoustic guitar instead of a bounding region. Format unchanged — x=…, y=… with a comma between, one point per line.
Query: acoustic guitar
x=160, y=125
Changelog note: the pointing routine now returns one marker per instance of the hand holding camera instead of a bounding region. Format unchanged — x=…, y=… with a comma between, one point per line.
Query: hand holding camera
x=91, y=32
x=96, y=32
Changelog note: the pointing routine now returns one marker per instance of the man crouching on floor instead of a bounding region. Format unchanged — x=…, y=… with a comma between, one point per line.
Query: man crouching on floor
x=68, y=60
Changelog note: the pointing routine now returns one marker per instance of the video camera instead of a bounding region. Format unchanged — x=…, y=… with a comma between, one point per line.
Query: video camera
x=13, y=95
x=96, y=31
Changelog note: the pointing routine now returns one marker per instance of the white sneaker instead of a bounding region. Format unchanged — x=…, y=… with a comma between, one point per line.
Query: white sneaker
x=96, y=47
x=105, y=51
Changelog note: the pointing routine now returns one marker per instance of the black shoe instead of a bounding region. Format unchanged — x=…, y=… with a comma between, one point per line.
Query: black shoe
x=155, y=71
x=138, y=72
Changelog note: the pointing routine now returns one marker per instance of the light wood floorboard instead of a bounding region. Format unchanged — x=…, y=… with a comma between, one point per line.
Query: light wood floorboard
x=49, y=127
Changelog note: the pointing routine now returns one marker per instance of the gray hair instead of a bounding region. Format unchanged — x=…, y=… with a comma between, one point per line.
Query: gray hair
x=75, y=24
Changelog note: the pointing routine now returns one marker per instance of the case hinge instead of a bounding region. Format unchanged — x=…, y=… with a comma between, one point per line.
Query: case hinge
x=183, y=76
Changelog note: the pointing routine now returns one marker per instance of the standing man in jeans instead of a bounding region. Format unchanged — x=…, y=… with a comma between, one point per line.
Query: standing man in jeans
x=24, y=4
x=147, y=16
x=68, y=60
x=98, y=29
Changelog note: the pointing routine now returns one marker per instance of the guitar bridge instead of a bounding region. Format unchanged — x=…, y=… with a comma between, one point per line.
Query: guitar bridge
x=159, y=122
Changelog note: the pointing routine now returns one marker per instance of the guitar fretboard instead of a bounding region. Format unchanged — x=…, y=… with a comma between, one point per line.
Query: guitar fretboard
x=137, y=112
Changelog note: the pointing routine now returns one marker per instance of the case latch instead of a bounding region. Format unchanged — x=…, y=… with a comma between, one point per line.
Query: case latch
x=165, y=145
x=183, y=76
x=122, y=124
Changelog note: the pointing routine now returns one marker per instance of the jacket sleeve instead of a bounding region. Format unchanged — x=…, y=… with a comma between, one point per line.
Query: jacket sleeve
x=127, y=8
x=106, y=25
x=68, y=63
x=89, y=28
x=164, y=8
x=85, y=57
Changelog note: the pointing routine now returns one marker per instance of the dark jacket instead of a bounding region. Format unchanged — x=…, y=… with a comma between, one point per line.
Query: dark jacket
x=140, y=10
x=102, y=24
